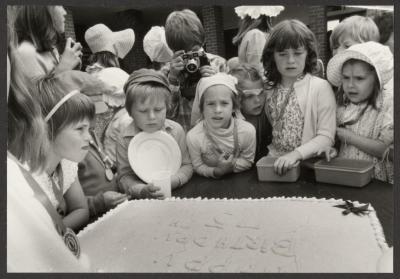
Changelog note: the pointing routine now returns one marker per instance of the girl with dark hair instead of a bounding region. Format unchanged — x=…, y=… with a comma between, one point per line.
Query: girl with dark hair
x=300, y=106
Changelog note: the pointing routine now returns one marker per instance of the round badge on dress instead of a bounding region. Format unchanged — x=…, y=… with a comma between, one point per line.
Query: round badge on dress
x=72, y=242
x=109, y=174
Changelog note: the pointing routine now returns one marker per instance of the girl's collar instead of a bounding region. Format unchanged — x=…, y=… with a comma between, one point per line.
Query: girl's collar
x=220, y=132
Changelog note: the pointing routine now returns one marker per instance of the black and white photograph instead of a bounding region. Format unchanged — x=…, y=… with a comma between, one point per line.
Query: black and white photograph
x=200, y=138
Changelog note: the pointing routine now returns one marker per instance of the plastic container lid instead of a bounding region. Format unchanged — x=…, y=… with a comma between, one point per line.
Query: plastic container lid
x=343, y=164
x=266, y=162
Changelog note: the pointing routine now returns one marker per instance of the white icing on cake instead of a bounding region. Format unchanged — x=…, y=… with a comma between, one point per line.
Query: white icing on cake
x=234, y=235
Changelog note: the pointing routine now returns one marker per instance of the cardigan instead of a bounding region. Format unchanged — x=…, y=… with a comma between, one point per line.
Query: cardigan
x=317, y=103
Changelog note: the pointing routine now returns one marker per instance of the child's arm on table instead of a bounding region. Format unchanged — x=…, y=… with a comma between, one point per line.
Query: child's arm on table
x=104, y=201
x=246, y=156
x=224, y=166
x=373, y=147
x=193, y=145
x=78, y=211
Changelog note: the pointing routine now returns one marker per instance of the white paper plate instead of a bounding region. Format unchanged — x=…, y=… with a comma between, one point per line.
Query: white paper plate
x=153, y=152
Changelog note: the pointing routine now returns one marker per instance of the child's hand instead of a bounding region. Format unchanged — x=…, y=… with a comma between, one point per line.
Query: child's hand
x=176, y=64
x=71, y=57
x=286, y=162
x=112, y=199
x=329, y=153
x=149, y=191
x=206, y=71
x=224, y=165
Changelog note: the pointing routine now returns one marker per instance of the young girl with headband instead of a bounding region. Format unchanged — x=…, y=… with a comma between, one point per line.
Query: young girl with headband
x=68, y=119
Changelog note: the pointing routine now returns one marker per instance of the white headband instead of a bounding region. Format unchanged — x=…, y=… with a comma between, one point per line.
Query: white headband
x=60, y=103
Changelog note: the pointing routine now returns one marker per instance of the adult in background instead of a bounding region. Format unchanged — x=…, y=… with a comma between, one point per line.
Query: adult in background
x=39, y=30
x=253, y=33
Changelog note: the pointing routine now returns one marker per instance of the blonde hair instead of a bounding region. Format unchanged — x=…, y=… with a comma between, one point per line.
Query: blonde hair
x=26, y=137
x=361, y=29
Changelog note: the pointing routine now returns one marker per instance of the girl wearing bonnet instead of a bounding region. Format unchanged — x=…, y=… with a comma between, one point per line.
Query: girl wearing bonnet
x=220, y=143
x=107, y=48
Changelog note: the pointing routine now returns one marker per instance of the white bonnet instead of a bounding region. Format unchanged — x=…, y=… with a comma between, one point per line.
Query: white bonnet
x=217, y=79
x=373, y=53
x=155, y=45
x=255, y=11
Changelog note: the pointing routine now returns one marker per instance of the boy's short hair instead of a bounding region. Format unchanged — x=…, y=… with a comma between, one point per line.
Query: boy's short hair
x=183, y=30
x=360, y=28
x=146, y=83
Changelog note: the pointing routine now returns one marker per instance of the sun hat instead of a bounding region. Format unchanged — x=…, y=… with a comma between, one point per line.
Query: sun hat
x=373, y=53
x=100, y=38
x=155, y=45
x=256, y=11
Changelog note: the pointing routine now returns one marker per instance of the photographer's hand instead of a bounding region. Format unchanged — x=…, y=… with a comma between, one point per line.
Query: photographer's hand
x=207, y=71
x=71, y=56
x=177, y=65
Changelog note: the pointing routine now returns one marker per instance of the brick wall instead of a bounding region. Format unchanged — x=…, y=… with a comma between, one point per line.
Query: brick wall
x=136, y=58
x=318, y=25
x=212, y=19
x=69, y=25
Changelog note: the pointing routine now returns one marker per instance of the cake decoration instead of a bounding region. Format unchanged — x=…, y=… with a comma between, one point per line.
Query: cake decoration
x=351, y=208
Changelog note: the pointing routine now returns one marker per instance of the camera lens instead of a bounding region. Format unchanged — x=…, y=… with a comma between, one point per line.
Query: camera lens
x=192, y=66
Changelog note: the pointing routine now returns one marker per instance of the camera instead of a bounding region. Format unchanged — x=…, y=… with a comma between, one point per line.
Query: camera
x=193, y=60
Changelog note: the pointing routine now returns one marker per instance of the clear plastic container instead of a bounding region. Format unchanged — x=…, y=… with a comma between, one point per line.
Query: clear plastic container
x=265, y=171
x=348, y=172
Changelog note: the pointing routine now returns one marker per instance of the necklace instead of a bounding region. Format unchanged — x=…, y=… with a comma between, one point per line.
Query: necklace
x=107, y=162
x=57, y=184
